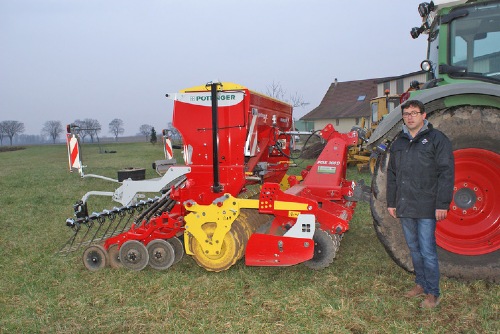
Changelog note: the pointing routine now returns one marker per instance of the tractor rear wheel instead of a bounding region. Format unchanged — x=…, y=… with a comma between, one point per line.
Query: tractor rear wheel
x=469, y=239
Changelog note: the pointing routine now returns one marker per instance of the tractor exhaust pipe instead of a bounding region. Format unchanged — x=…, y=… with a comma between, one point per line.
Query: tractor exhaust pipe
x=217, y=188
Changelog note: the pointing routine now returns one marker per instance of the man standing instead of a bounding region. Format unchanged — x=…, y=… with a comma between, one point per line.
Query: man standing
x=420, y=179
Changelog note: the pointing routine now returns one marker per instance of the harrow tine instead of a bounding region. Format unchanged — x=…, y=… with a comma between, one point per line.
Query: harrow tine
x=72, y=244
x=127, y=222
x=101, y=221
x=89, y=226
x=115, y=221
x=69, y=244
x=121, y=214
x=111, y=217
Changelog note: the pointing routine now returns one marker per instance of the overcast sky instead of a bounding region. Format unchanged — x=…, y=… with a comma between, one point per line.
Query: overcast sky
x=104, y=59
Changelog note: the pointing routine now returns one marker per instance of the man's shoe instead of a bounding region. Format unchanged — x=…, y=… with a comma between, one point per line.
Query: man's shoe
x=430, y=301
x=415, y=292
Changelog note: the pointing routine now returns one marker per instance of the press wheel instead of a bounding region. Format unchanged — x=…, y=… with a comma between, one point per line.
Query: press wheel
x=95, y=258
x=178, y=249
x=134, y=255
x=161, y=254
x=241, y=235
x=228, y=255
x=114, y=257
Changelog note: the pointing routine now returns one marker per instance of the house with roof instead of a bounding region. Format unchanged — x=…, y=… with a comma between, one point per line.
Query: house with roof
x=346, y=103
x=343, y=105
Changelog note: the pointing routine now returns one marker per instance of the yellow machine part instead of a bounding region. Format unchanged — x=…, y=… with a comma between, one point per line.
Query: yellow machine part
x=225, y=86
x=230, y=249
x=216, y=235
x=284, y=185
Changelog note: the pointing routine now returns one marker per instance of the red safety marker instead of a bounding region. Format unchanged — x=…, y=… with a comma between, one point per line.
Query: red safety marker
x=169, y=154
x=73, y=152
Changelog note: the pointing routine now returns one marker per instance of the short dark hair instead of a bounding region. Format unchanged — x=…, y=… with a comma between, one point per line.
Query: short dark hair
x=413, y=103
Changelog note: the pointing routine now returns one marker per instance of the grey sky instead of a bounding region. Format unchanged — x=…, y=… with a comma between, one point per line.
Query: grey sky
x=104, y=59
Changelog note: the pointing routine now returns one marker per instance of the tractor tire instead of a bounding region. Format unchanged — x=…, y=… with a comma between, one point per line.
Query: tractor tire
x=475, y=136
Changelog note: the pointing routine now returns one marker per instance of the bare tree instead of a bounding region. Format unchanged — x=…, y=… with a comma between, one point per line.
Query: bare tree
x=275, y=90
x=52, y=129
x=2, y=133
x=116, y=127
x=297, y=101
x=12, y=128
x=88, y=127
x=145, y=130
x=79, y=125
x=93, y=128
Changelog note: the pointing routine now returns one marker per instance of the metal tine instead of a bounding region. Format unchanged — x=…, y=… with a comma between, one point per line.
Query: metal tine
x=111, y=216
x=120, y=212
x=73, y=243
x=112, y=233
x=89, y=226
x=69, y=244
x=127, y=224
x=101, y=220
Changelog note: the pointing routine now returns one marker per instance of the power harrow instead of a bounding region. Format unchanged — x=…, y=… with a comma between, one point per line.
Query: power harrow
x=232, y=198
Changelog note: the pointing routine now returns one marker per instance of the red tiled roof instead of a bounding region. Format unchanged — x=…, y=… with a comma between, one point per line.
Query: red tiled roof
x=341, y=100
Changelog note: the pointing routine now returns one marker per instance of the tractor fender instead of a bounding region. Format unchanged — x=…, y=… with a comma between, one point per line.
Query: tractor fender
x=435, y=97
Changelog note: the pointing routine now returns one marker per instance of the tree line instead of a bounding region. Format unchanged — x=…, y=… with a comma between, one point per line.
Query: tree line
x=90, y=128
x=52, y=131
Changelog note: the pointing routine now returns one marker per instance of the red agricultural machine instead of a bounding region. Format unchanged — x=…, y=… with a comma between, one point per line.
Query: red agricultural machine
x=231, y=198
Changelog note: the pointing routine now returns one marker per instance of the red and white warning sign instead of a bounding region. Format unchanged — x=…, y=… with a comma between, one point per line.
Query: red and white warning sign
x=169, y=154
x=73, y=152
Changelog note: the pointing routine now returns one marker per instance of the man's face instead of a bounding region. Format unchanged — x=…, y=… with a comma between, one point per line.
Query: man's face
x=413, y=123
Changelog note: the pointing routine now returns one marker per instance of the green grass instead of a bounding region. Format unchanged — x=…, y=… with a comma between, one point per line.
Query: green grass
x=361, y=292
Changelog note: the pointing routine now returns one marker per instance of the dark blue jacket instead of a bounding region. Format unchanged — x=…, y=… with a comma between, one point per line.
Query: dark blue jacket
x=420, y=175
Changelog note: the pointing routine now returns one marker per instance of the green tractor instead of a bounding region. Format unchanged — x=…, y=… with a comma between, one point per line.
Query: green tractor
x=462, y=99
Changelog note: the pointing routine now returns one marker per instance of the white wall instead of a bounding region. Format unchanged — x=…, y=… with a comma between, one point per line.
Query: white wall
x=345, y=124
x=406, y=84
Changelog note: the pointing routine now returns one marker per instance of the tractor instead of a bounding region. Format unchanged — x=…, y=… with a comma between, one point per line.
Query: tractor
x=232, y=197
x=462, y=99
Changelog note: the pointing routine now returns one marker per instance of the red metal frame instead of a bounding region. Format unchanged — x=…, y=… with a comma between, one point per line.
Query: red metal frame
x=165, y=226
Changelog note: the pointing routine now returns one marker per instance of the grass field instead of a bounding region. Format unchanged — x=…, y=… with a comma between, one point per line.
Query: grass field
x=361, y=292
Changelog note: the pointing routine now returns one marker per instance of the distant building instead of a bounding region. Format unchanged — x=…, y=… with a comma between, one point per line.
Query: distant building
x=343, y=105
x=302, y=125
x=346, y=103
x=399, y=84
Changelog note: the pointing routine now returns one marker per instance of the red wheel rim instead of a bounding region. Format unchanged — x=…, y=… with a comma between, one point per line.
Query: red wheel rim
x=472, y=226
